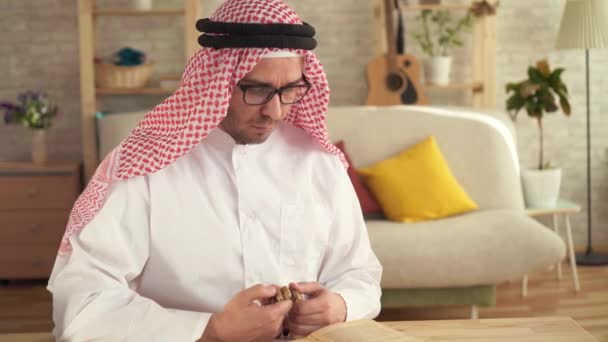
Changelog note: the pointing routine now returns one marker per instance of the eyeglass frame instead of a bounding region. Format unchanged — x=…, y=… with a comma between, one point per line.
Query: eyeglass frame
x=275, y=91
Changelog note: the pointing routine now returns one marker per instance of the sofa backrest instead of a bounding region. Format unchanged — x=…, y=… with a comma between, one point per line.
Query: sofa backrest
x=112, y=129
x=479, y=148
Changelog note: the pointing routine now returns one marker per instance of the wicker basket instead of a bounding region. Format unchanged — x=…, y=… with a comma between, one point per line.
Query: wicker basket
x=118, y=76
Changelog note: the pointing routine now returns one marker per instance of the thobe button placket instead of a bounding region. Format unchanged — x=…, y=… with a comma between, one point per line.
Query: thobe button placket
x=245, y=221
x=246, y=226
x=238, y=156
x=290, y=260
x=236, y=162
x=249, y=278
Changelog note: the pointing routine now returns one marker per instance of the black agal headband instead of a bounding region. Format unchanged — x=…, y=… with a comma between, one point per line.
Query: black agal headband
x=240, y=35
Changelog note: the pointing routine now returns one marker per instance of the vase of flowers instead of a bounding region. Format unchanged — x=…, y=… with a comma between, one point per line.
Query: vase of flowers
x=33, y=110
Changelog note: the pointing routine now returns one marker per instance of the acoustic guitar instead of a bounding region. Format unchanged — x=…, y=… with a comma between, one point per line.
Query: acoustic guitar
x=394, y=78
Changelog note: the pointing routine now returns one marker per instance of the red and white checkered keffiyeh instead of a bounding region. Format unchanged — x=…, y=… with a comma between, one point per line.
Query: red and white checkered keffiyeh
x=181, y=121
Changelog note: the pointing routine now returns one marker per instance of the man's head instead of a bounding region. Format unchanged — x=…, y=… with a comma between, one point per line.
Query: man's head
x=263, y=98
x=269, y=47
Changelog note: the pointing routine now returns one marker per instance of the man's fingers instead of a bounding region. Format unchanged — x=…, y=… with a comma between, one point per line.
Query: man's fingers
x=308, y=288
x=257, y=292
x=318, y=318
x=271, y=299
x=280, y=309
x=311, y=306
x=301, y=329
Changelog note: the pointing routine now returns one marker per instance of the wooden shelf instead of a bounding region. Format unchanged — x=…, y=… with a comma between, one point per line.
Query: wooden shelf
x=474, y=86
x=53, y=167
x=170, y=76
x=91, y=96
x=453, y=7
x=137, y=12
x=131, y=91
x=480, y=86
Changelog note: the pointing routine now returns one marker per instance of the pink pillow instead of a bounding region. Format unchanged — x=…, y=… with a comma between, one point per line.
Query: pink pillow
x=369, y=205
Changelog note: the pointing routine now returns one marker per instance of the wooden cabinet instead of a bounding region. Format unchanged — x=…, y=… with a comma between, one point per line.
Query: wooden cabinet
x=35, y=203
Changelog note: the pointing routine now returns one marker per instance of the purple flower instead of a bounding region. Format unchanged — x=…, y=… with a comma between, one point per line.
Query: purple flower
x=8, y=117
x=33, y=110
x=7, y=106
x=30, y=95
x=23, y=98
x=9, y=111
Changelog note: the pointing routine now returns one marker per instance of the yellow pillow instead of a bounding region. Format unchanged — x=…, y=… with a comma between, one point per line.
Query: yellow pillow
x=417, y=185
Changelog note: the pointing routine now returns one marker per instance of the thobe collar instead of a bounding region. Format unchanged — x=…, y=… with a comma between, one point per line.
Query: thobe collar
x=219, y=139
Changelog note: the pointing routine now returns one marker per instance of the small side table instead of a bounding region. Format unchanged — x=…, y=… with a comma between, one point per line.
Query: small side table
x=562, y=208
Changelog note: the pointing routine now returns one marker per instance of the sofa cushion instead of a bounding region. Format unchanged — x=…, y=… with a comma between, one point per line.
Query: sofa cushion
x=369, y=205
x=417, y=185
x=478, y=248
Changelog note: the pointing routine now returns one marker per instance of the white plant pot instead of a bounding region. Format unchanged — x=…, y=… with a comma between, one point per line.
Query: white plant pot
x=437, y=69
x=541, y=187
x=142, y=4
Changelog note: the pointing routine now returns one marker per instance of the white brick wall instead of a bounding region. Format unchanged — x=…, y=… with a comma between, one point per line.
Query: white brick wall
x=39, y=49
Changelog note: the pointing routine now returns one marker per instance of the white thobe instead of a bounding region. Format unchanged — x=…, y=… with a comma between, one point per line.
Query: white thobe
x=168, y=249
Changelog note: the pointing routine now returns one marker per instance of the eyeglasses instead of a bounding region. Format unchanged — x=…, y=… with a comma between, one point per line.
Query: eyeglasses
x=254, y=94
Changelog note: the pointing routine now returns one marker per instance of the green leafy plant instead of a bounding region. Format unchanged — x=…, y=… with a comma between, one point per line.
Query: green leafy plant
x=440, y=31
x=539, y=94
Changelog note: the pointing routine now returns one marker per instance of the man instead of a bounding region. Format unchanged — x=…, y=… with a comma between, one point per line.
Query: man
x=224, y=192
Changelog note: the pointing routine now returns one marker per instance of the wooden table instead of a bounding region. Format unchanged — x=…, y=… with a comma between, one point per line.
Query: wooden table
x=528, y=329
x=532, y=329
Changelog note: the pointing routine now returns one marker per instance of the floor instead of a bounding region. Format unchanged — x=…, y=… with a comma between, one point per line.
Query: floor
x=547, y=296
x=26, y=306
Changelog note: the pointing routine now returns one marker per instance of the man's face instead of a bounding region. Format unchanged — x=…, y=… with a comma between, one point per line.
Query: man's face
x=252, y=124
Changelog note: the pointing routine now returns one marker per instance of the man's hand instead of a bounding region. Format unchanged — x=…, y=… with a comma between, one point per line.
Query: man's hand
x=244, y=319
x=323, y=307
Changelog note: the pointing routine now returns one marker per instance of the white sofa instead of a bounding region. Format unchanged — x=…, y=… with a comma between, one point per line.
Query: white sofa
x=456, y=260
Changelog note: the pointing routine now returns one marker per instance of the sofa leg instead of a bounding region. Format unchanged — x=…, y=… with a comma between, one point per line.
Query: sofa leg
x=474, y=312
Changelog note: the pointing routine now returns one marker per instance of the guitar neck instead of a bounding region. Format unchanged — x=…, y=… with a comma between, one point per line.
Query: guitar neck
x=400, y=38
x=391, y=53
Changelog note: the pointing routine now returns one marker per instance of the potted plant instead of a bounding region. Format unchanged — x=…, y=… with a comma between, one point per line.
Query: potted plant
x=541, y=93
x=35, y=111
x=440, y=33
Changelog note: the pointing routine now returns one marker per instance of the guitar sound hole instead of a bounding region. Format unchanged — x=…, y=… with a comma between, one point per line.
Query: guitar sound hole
x=394, y=82
x=407, y=63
